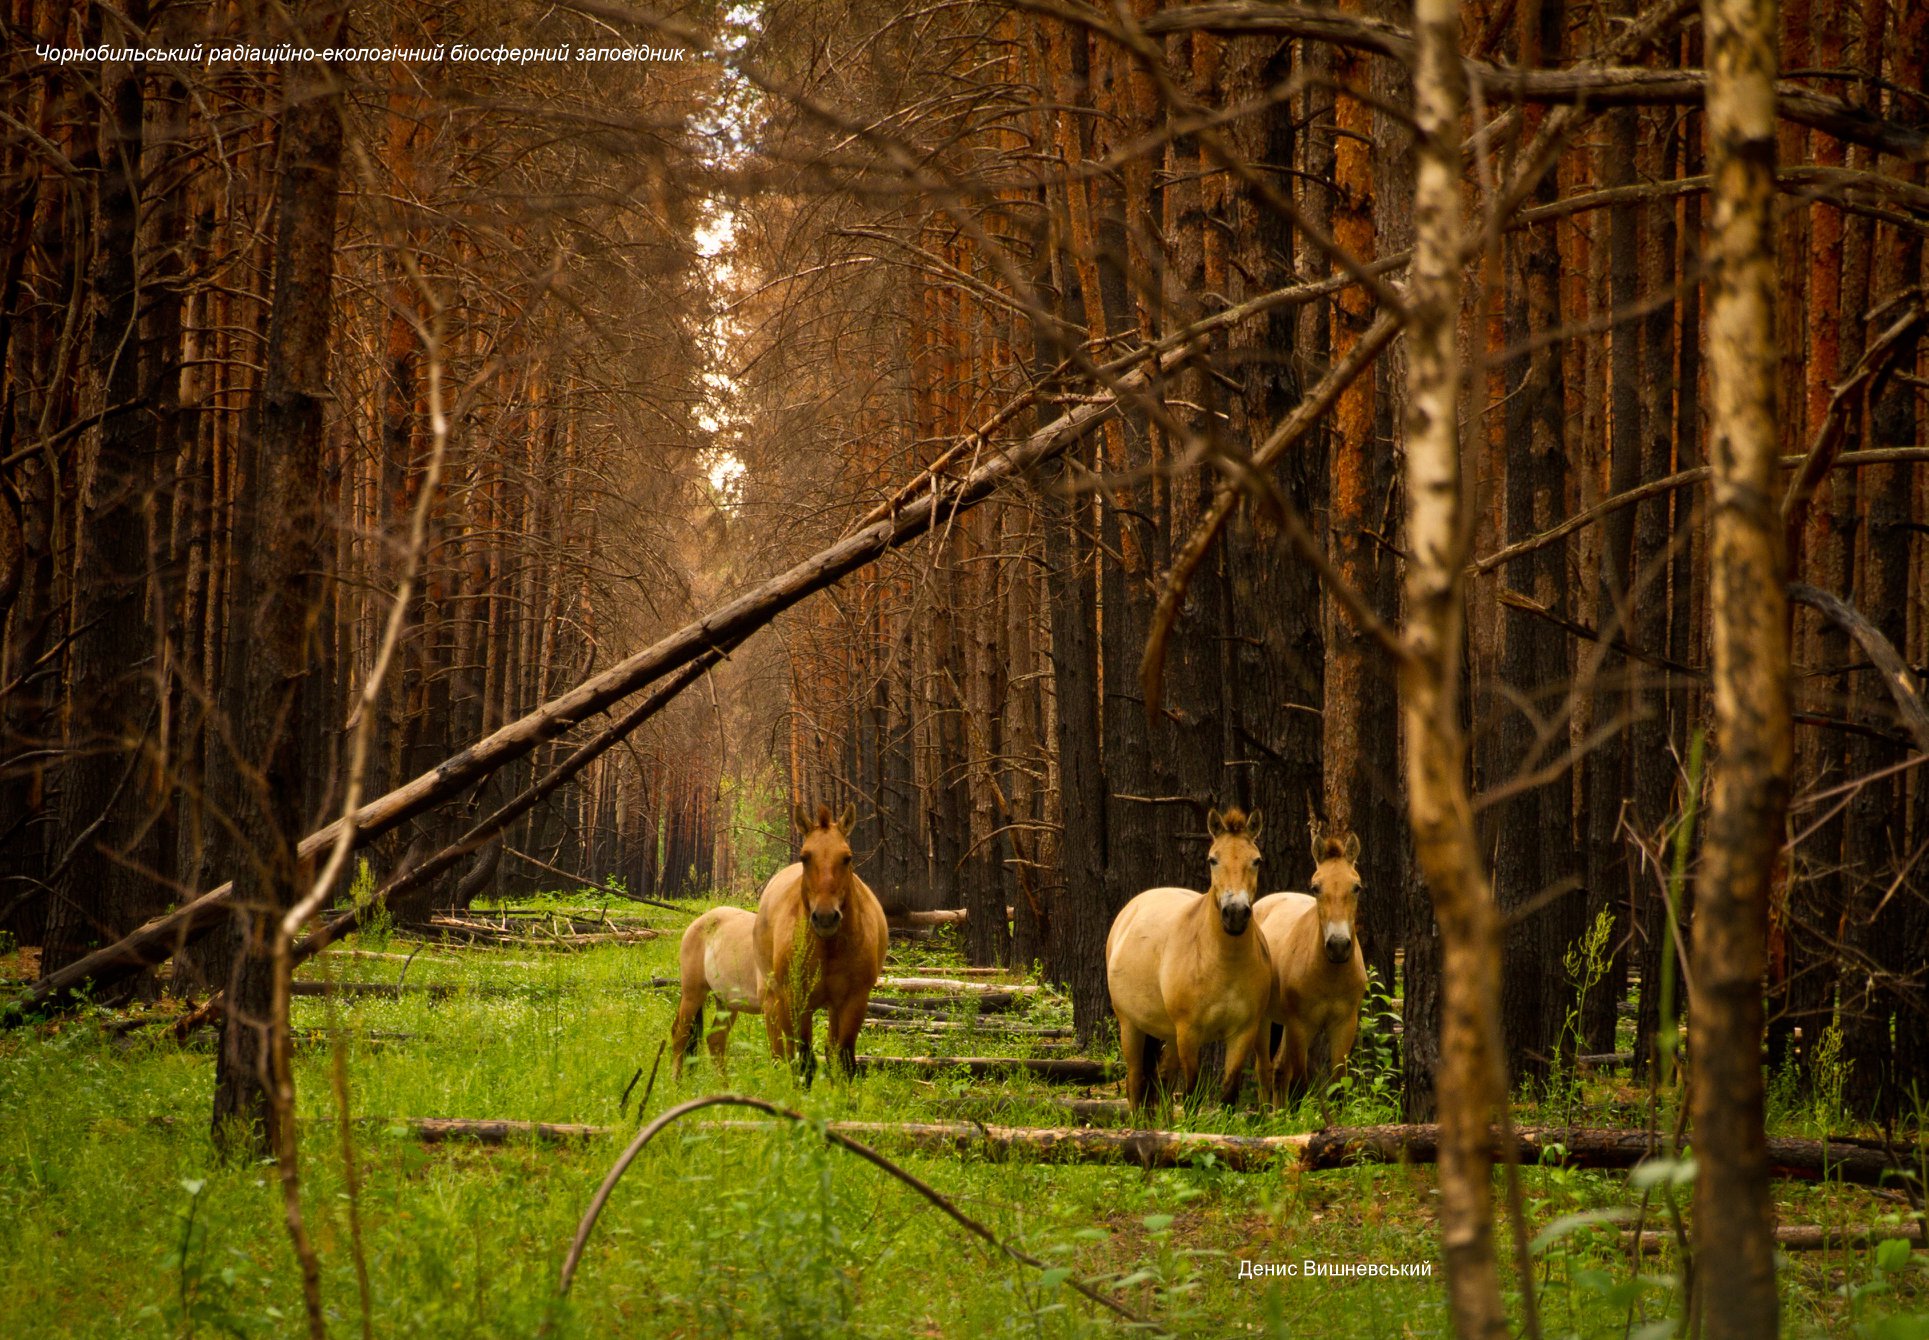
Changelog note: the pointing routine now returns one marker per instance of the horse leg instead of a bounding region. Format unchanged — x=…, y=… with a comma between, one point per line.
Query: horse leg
x=1339, y=1041
x=1132, y=1044
x=777, y=1021
x=720, y=1043
x=806, y=1047
x=1188, y=1044
x=688, y=1025
x=1239, y=1051
x=844, y=1022
x=1289, y=1067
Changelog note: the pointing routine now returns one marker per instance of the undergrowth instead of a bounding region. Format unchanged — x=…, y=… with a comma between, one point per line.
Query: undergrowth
x=117, y=1219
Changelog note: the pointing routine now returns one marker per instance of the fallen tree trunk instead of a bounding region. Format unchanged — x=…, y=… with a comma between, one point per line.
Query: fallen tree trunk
x=436, y=990
x=996, y=1028
x=1069, y=1144
x=1073, y=1069
x=726, y=626
x=1863, y=1163
x=1313, y=1152
x=992, y=1003
x=953, y=985
x=943, y=916
x=1799, y=1237
x=438, y=1130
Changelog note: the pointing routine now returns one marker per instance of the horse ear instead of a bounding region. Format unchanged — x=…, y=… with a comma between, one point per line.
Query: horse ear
x=1352, y=847
x=1319, y=842
x=801, y=818
x=847, y=819
x=1215, y=826
x=1252, y=825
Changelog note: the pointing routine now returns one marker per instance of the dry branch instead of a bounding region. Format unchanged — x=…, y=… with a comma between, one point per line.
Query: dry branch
x=1901, y=681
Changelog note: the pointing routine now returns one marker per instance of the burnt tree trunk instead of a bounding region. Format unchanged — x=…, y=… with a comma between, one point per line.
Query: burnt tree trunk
x=280, y=547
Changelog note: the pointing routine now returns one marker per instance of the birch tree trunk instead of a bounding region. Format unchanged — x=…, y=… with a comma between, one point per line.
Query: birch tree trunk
x=1469, y=1083
x=1733, y=1216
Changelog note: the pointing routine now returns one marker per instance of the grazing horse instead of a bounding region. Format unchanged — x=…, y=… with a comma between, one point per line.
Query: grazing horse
x=718, y=953
x=1184, y=969
x=820, y=938
x=1320, y=976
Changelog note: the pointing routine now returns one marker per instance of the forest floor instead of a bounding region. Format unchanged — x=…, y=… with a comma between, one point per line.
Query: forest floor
x=117, y=1219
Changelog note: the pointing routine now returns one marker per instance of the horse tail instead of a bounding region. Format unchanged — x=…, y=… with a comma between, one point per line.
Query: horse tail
x=1149, y=1053
x=691, y=1043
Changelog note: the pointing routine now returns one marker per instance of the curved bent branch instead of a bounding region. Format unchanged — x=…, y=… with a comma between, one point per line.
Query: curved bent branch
x=863, y=1151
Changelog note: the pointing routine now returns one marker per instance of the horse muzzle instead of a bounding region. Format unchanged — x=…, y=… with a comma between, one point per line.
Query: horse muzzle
x=1339, y=948
x=1235, y=918
x=826, y=924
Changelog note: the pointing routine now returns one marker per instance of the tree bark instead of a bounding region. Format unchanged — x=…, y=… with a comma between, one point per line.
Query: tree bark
x=1734, y=1218
x=272, y=653
x=1470, y=1083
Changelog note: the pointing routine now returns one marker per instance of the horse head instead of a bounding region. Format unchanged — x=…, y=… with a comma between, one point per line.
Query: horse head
x=826, y=854
x=1336, y=887
x=1234, y=861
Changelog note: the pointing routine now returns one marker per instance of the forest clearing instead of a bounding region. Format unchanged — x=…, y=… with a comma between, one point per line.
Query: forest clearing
x=1258, y=666
x=727, y=1232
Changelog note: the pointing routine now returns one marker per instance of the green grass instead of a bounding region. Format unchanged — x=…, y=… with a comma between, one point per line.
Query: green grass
x=117, y=1219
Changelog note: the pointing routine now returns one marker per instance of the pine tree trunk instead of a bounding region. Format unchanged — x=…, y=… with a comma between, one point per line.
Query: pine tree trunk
x=280, y=547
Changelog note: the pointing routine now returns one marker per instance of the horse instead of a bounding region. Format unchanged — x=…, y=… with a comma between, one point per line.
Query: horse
x=1319, y=974
x=717, y=954
x=1183, y=969
x=820, y=938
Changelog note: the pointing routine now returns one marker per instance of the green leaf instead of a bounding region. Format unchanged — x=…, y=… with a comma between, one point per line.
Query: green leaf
x=1891, y=1254
x=1652, y=1173
x=1157, y=1223
x=1051, y=1279
x=193, y=1185
x=1569, y=1223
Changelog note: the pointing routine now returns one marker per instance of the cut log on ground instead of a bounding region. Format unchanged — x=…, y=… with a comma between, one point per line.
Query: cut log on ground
x=434, y=990
x=1846, y=1160
x=1799, y=1238
x=990, y=1002
x=1069, y=1069
x=1070, y=1144
x=954, y=986
x=943, y=916
x=1863, y=1163
x=992, y=1027
x=390, y=958
x=1084, y=1111
x=438, y=1130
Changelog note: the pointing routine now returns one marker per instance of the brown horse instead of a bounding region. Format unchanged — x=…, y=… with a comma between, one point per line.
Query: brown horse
x=1319, y=974
x=1183, y=969
x=820, y=939
x=717, y=954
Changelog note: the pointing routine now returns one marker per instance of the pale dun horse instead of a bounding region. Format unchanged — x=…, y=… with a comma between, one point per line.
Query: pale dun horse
x=1185, y=969
x=1319, y=974
x=820, y=938
x=717, y=954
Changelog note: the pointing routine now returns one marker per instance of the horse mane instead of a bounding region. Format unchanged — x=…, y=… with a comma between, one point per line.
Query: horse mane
x=823, y=815
x=1333, y=846
x=1233, y=823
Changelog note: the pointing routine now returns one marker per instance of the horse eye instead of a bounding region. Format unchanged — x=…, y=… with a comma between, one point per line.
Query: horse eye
x=1212, y=860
